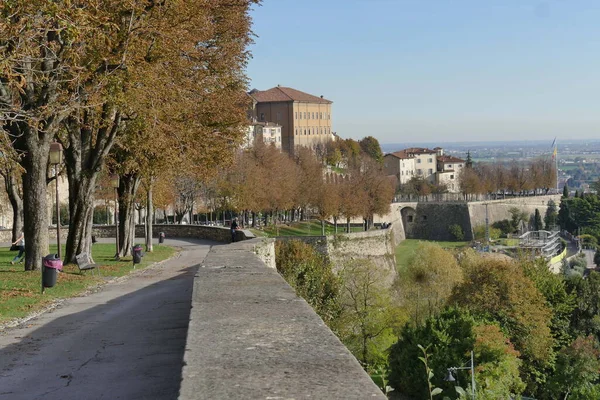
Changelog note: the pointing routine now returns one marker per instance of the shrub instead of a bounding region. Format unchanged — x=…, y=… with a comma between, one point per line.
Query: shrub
x=457, y=232
x=311, y=275
x=505, y=226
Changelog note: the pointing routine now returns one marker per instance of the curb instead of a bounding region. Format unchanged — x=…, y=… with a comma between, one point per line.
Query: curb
x=90, y=290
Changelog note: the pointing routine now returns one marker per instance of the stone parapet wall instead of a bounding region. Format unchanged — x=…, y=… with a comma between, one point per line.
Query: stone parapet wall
x=216, y=233
x=251, y=337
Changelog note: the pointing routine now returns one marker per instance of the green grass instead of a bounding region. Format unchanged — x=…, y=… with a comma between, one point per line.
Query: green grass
x=20, y=291
x=312, y=228
x=406, y=249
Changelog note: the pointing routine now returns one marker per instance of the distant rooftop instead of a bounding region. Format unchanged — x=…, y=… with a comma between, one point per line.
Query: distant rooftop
x=282, y=93
x=450, y=159
x=412, y=151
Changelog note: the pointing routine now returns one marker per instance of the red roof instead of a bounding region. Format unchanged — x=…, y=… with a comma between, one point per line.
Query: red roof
x=281, y=93
x=446, y=159
x=412, y=151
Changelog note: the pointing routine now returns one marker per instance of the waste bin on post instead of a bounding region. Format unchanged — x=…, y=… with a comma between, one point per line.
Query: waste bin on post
x=51, y=264
x=137, y=254
x=161, y=237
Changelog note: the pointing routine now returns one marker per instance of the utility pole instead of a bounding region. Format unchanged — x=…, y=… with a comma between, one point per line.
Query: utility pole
x=487, y=226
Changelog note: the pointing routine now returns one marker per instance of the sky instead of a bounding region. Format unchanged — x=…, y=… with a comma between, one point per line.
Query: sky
x=438, y=70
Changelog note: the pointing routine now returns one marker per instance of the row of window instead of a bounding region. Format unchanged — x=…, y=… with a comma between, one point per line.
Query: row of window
x=311, y=115
x=429, y=160
x=313, y=131
x=420, y=171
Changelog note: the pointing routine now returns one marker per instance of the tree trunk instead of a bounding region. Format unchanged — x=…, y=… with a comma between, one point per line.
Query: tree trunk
x=128, y=185
x=16, y=202
x=322, y=227
x=150, y=213
x=347, y=225
x=35, y=205
x=85, y=153
x=253, y=219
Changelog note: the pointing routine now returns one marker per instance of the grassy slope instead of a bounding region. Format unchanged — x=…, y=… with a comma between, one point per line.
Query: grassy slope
x=407, y=248
x=20, y=291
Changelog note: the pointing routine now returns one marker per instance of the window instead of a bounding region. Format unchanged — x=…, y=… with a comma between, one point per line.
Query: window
x=278, y=116
x=401, y=173
x=430, y=160
x=402, y=165
x=305, y=131
x=321, y=115
x=296, y=131
x=419, y=172
x=430, y=171
x=296, y=115
x=313, y=115
x=418, y=161
x=410, y=218
x=449, y=166
x=304, y=115
x=452, y=177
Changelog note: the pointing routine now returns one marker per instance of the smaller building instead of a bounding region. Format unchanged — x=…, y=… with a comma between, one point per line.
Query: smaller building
x=268, y=132
x=448, y=171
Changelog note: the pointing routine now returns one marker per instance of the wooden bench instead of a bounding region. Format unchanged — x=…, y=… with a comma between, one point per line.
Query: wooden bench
x=83, y=262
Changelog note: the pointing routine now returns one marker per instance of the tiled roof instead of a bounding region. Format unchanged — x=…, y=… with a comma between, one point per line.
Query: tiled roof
x=412, y=151
x=281, y=93
x=401, y=154
x=446, y=159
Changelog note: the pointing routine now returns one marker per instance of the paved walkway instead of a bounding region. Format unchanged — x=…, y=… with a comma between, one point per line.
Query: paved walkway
x=125, y=342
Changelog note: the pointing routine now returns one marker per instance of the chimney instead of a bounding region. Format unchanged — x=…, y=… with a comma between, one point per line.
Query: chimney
x=321, y=96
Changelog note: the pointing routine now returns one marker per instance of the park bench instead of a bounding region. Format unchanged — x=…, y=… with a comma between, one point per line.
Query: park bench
x=83, y=263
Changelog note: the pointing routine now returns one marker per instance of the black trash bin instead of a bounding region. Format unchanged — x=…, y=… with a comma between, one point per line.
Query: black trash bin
x=51, y=264
x=161, y=237
x=137, y=254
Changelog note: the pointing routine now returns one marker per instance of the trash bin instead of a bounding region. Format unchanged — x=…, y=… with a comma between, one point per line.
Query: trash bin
x=137, y=254
x=161, y=237
x=51, y=264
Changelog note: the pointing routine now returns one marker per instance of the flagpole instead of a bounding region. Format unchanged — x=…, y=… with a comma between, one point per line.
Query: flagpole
x=556, y=165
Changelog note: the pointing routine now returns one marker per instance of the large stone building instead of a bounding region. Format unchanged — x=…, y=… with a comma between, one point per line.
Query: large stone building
x=431, y=165
x=305, y=119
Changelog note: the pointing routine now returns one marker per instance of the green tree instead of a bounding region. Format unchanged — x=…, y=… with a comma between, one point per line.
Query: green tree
x=537, y=221
x=585, y=318
x=551, y=216
x=449, y=338
x=370, y=146
x=500, y=291
x=565, y=194
x=427, y=282
x=369, y=318
x=576, y=370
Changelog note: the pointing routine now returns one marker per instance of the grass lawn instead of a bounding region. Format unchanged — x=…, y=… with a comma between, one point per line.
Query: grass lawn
x=407, y=248
x=306, y=228
x=20, y=290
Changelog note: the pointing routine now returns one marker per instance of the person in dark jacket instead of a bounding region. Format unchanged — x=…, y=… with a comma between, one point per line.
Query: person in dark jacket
x=234, y=227
x=20, y=243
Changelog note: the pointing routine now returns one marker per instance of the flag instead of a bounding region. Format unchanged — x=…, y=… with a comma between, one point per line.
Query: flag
x=555, y=151
x=553, y=142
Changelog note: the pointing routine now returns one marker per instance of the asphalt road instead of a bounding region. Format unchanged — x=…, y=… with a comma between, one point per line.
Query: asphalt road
x=124, y=342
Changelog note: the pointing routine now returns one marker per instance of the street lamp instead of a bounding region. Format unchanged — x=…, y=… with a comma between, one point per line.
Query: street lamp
x=55, y=159
x=450, y=378
x=114, y=182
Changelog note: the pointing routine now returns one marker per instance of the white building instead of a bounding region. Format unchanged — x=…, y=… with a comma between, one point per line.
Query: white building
x=268, y=132
x=431, y=165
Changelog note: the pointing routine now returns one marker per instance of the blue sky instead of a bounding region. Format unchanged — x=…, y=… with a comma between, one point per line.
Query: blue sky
x=438, y=70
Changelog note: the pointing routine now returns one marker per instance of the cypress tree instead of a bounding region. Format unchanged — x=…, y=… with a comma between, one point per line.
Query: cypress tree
x=565, y=192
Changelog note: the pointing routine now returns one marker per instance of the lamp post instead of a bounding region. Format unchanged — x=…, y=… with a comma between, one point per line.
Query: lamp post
x=114, y=182
x=450, y=378
x=55, y=159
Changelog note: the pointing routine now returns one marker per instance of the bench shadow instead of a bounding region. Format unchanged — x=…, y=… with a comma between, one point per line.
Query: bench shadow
x=129, y=347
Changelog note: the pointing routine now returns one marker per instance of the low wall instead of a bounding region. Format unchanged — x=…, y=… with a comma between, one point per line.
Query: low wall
x=251, y=337
x=498, y=209
x=216, y=233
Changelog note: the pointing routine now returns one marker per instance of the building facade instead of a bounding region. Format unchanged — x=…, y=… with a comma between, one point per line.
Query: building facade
x=305, y=119
x=429, y=164
x=268, y=132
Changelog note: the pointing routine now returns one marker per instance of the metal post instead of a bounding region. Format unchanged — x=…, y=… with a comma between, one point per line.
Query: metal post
x=473, y=374
x=57, y=213
x=116, y=223
x=487, y=227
